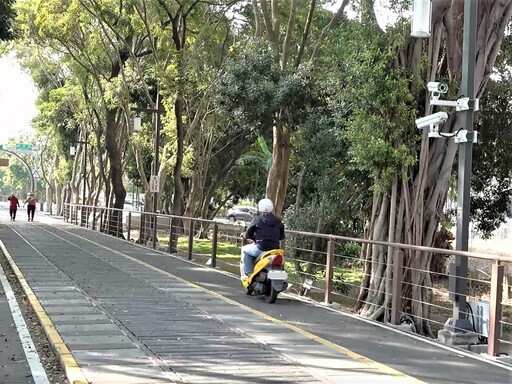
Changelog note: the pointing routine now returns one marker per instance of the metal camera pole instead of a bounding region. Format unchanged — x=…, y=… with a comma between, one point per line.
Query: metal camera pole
x=455, y=329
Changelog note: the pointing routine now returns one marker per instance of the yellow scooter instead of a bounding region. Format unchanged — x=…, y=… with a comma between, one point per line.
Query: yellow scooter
x=268, y=278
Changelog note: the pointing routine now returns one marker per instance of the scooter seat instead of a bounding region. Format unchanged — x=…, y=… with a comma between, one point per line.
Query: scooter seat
x=268, y=253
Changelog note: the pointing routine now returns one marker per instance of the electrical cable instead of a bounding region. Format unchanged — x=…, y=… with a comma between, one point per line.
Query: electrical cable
x=450, y=136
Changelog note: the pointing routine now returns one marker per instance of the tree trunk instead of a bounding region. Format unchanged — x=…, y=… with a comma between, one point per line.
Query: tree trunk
x=49, y=199
x=177, y=202
x=116, y=169
x=193, y=198
x=277, y=182
x=58, y=199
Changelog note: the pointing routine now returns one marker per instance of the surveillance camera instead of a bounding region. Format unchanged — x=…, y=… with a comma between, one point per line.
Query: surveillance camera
x=437, y=87
x=431, y=120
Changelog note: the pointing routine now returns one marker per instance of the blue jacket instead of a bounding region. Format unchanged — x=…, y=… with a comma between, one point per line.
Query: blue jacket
x=266, y=231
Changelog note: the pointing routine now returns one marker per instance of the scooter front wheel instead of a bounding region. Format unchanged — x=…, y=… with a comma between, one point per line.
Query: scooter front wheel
x=271, y=295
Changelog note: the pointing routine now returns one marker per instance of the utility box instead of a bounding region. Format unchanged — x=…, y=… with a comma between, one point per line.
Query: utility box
x=479, y=317
x=4, y=162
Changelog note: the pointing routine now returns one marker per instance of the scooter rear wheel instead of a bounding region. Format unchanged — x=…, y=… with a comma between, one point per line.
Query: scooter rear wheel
x=271, y=295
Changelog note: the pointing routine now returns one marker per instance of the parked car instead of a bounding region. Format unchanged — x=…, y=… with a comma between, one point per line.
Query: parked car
x=137, y=205
x=241, y=213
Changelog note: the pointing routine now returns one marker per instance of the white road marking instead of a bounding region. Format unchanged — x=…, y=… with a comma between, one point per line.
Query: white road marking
x=38, y=372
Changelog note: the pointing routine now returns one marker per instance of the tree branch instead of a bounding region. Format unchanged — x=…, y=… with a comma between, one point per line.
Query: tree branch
x=276, y=21
x=255, y=9
x=267, y=19
x=305, y=34
x=289, y=32
x=335, y=20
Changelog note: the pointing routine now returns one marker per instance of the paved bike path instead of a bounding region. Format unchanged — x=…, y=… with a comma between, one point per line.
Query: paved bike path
x=124, y=321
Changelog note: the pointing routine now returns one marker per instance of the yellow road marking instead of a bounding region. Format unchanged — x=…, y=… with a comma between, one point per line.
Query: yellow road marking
x=66, y=359
x=356, y=356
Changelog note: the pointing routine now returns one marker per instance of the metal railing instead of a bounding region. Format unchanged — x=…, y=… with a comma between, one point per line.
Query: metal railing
x=327, y=267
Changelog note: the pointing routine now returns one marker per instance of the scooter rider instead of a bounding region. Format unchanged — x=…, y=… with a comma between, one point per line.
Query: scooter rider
x=266, y=231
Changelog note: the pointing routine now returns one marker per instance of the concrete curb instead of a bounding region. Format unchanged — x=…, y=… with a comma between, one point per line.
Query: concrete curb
x=71, y=368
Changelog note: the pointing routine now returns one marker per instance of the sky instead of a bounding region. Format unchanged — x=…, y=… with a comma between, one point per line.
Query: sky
x=17, y=100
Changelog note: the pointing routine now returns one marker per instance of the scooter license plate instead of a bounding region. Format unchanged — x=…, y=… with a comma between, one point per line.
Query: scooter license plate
x=277, y=275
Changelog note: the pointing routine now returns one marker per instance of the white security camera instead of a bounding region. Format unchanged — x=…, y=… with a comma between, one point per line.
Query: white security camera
x=431, y=120
x=436, y=87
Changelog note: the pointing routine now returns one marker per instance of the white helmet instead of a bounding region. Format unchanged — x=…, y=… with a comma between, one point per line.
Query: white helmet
x=265, y=206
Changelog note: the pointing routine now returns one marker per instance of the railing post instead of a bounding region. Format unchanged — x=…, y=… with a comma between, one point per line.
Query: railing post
x=493, y=344
x=214, y=245
x=329, y=272
x=170, y=248
x=141, y=221
x=396, y=288
x=76, y=214
x=155, y=222
x=119, y=216
x=190, y=238
x=94, y=218
x=129, y=225
x=101, y=219
x=87, y=217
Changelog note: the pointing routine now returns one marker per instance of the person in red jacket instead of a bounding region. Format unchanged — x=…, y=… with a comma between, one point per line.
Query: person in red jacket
x=13, y=206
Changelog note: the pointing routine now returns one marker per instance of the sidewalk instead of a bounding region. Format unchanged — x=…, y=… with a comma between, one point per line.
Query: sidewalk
x=125, y=322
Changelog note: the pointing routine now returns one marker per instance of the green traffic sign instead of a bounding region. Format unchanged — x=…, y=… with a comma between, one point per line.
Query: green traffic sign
x=24, y=147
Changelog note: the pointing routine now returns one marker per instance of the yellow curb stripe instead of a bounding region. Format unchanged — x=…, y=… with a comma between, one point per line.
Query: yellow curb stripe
x=66, y=359
x=379, y=366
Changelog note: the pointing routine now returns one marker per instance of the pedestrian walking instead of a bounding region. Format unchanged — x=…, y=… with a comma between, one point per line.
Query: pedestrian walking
x=14, y=203
x=31, y=205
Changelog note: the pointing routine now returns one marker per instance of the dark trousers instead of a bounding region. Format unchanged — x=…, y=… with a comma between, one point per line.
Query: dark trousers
x=31, y=209
x=12, y=212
